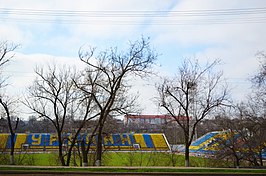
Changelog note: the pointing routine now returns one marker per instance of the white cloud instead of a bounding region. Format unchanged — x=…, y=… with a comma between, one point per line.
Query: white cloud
x=21, y=69
x=235, y=44
x=9, y=32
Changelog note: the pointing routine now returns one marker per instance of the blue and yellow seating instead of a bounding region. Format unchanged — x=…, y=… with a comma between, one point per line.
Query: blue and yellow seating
x=126, y=141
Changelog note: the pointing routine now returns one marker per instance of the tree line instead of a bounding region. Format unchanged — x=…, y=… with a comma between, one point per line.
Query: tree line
x=93, y=96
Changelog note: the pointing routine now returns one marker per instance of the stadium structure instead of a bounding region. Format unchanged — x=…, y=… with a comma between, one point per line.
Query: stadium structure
x=47, y=141
x=208, y=144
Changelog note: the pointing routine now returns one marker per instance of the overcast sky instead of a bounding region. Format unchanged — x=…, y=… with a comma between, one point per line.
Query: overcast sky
x=230, y=30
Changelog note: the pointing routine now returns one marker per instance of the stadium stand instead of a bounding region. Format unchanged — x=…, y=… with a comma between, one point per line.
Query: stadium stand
x=159, y=141
x=203, y=141
x=127, y=141
x=207, y=144
x=20, y=140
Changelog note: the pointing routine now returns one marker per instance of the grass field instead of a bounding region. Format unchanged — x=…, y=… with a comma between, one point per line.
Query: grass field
x=121, y=162
x=117, y=159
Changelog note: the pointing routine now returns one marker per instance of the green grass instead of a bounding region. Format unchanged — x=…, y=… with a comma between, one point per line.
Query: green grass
x=36, y=159
x=120, y=162
x=118, y=159
x=157, y=159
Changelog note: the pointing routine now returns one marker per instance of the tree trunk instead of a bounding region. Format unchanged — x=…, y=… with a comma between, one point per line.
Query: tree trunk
x=187, y=164
x=99, y=147
x=61, y=157
x=187, y=144
x=237, y=161
x=69, y=154
x=84, y=153
x=12, y=132
x=12, y=158
x=260, y=158
x=60, y=148
x=74, y=157
x=69, y=151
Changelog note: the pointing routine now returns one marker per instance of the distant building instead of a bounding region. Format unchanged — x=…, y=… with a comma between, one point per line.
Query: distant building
x=150, y=119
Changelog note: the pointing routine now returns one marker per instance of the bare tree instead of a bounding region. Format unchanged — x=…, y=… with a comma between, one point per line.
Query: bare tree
x=253, y=133
x=192, y=96
x=259, y=79
x=253, y=113
x=111, y=70
x=255, y=109
x=6, y=105
x=230, y=144
x=90, y=111
x=6, y=54
x=248, y=124
x=54, y=96
x=243, y=138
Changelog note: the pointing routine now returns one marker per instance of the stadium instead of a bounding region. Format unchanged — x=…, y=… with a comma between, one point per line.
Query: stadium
x=206, y=145
x=47, y=141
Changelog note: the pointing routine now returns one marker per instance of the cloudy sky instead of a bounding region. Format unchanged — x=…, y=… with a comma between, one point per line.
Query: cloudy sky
x=230, y=30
